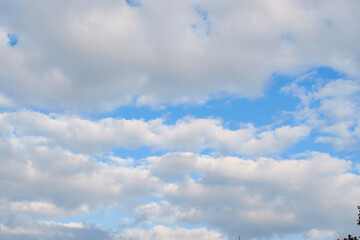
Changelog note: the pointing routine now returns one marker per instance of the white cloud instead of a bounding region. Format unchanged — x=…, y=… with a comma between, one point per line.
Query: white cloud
x=88, y=56
x=67, y=225
x=263, y=197
x=332, y=108
x=188, y=134
x=53, y=231
x=160, y=232
x=34, y=171
x=16, y=231
x=49, y=230
x=42, y=177
x=5, y=102
x=155, y=212
x=317, y=234
x=44, y=209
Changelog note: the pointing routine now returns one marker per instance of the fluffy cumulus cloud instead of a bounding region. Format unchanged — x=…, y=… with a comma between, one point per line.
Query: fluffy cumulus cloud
x=310, y=195
x=189, y=134
x=109, y=125
x=35, y=171
x=89, y=56
x=252, y=198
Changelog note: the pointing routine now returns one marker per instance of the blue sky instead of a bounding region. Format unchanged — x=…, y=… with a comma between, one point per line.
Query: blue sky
x=13, y=39
x=179, y=120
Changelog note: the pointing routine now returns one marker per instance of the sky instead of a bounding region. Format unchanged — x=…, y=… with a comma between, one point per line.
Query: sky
x=169, y=120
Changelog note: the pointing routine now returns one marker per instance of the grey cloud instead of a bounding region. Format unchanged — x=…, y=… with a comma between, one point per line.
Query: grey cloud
x=53, y=231
x=56, y=231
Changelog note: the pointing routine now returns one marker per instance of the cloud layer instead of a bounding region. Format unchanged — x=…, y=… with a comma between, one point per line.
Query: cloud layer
x=189, y=134
x=88, y=56
x=311, y=193
x=252, y=197
x=57, y=166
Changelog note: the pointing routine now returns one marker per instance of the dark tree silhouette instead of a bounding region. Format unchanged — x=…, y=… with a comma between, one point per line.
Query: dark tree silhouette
x=358, y=223
x=351, y=238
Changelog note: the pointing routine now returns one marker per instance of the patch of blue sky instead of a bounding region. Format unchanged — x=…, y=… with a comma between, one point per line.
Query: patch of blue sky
x=188, y=226
x=260, y=112
x=13, y=39
x=329, y=73
x=323, y=73
x=192, y=225
x=137, y=154
x=41, y=110
x=130, y=112
x=329, y=23
x=205, y=18
x=195, y=175
x=310, y=145
x=133, y=3
x=288, y=37
x=230, y=109
x=148, y=199
x=320, y=75
x=204, y=15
